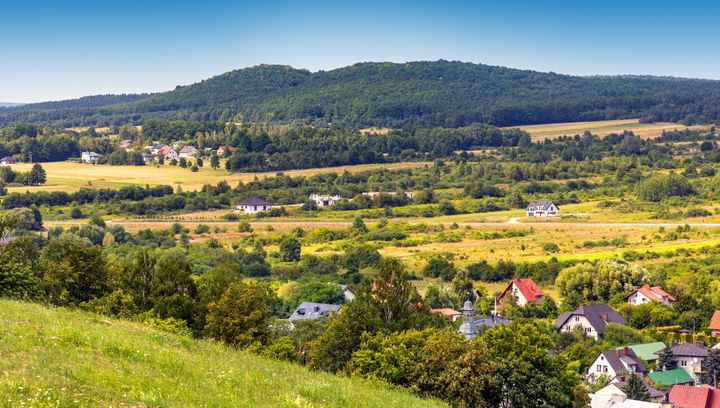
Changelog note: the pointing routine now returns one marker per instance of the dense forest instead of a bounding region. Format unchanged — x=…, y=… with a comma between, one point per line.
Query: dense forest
x=428, y=94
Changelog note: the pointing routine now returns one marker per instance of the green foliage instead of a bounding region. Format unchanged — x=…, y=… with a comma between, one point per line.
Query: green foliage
x=439, y=266
x=600, y=281
x=658, y=187
x=290, y=249
x=17, y=280
x=241, y=315
x=73, y=271
x=636, y=389
x=618, y=335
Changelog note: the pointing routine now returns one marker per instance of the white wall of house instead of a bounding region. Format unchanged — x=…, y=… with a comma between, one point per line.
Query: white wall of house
x=600, y=367
x=521, y=301
x=689, y=365
x=638, y=298
x=252, y=209
x=577, y=320
x=552, y=211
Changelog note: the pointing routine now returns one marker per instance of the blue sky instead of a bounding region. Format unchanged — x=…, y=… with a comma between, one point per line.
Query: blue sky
x=52, y=50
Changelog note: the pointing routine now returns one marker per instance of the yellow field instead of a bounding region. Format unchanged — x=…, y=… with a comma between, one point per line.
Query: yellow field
x=603, y=128
x=66, y=176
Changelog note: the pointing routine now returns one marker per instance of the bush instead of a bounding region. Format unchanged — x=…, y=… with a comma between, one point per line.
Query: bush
x=697, y=212
x=202, y=229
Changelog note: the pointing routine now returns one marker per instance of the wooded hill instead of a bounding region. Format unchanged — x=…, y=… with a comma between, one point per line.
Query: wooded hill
x=439, y=93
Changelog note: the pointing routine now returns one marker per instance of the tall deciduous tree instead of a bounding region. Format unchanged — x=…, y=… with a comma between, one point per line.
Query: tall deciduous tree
x=241, y=315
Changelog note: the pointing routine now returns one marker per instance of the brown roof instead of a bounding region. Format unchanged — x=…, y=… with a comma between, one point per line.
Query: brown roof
x=530, y=290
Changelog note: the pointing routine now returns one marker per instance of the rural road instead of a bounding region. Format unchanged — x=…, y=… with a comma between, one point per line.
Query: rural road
x=512, y=221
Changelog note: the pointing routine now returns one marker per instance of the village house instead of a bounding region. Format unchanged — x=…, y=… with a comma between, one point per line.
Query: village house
x=616, y=385
x=448, y=313
x=253, y=205
x=689, y=357
x=525, y=291
x=168, y=153
x=188, y=152
x=347, y=291
x=325, y=200
x=669, y=378
x=647, y=293
x=542, y=209
x=157, y=149
x=373, y=194
x=470, y=324
x=618, y=401
x=7, y=160
x=222, y=150
x=147, y=157
x=688, y=396
x=613, y=363
x=648, y=351
x=89, y=157
x=592, y=319
x=125, y=144
x=311, y=310
x=715, y=324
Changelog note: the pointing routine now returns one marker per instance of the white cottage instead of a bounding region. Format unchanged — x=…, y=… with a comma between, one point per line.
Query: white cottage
x=542, y=209
x=253, y=205
x=89, y=157
x=325, y=200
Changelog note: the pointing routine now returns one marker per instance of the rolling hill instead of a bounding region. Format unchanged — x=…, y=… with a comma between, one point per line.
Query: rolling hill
x=438, y=93
x=55, y=357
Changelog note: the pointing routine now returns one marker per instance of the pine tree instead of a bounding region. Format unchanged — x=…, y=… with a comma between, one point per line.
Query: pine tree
x=667, y=359
x=636, y=389
x=712, y=366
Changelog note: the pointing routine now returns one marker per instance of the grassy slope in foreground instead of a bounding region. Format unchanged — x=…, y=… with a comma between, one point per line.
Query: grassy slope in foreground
x=55, y=357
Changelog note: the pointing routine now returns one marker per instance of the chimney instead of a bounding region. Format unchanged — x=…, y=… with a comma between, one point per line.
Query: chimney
x=604, y=316
x=317, y=308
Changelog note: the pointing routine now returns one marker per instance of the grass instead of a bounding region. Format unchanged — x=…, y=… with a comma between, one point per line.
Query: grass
x=603, y=128
x=67, y=176
x=60, y=358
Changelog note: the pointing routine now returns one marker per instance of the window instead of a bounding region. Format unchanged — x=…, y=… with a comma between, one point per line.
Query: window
x=577, y=318
x=604, y=369
x=599, y=368
x=588, y=330
x=683, y=363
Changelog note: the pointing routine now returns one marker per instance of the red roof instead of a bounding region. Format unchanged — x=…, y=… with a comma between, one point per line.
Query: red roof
x=530, y=290
x=687, y=396
x=654, y=293
x=715, y=321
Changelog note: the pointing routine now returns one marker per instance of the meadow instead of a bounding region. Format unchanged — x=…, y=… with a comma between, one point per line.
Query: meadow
x=52, y=357
x=70, y=176
x=603, y=128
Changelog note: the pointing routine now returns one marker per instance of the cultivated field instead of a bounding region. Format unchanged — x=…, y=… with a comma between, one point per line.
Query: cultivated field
x=603, y=128
x=67, y=176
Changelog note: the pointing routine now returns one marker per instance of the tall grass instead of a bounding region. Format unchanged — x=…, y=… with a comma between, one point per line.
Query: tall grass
x=60, y=358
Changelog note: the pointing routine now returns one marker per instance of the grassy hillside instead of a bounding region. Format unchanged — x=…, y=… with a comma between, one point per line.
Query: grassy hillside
x=424, y=93
x=60, y=358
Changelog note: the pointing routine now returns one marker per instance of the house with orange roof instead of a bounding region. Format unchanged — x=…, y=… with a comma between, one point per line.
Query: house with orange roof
x=450, y=314
x=646, y=294
x=715, y=324
x=525, y=291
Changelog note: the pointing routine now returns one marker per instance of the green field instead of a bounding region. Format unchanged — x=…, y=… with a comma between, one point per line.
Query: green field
x=57, y=358
x=68, y=176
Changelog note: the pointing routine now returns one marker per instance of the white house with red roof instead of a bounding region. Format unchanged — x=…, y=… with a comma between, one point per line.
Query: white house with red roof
x=715, y=324
x=525, y=291
x=224, y=149
x=646, y=294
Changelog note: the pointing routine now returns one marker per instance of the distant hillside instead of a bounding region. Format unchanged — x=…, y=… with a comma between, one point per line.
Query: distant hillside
x=55, y=357
x=440, y=93
x=9, y=104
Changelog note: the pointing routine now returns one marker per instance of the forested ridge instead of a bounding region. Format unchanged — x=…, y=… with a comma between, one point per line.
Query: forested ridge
x=438, y=93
